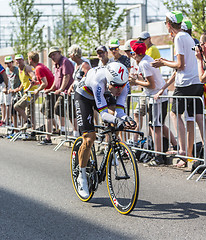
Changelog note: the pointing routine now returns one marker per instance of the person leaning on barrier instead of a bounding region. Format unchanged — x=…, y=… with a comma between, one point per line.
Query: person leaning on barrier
x=3, y=84
x=152, y=83
x=5, y=102
x=45, y=80
x=187, y=83
x=62, y=81
x=26, y=75
x=13, y=76
x=90, y=95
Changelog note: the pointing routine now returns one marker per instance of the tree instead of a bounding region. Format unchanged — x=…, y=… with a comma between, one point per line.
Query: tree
x=29, y=36
x=65, y=30
x=98, y=21
x=195, y=10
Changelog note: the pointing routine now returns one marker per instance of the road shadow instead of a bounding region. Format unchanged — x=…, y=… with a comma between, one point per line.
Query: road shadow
x=23, y=218
x=172, y=211
x=146, y=209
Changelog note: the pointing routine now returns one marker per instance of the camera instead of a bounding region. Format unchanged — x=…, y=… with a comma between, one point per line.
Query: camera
x=197, y=45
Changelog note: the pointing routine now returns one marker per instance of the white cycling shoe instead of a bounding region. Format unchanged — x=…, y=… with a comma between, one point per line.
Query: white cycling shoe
x=83, y=187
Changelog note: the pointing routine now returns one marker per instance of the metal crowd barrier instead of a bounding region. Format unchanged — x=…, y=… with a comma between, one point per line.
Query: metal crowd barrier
x=136, y=99
x=65, y=126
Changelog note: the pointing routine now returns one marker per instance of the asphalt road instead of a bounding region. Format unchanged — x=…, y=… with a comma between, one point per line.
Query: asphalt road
x=37, y=201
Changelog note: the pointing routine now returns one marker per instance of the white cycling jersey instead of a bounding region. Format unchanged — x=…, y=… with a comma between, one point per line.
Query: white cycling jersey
x=94, y=85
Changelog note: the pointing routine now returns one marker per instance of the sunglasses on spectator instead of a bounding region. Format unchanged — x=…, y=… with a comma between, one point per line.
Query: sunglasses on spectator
x=100, y=52
x=114, y=48
x=118, y=86
x=132, y=53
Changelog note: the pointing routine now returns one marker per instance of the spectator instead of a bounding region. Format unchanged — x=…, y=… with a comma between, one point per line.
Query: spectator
x=152, y=50
x=5, y=102
x=102, y=54
x=200, y=53
x=187, y=83
x=62, y=81
x=154, y=53
x=152, y=83
x=127, y=49
x=3, y=90
x=45, y=79
x=81, y=67
x=117, y=57
x=27, y=103
x=187, y=27
x=13, y=76
x=114, y=48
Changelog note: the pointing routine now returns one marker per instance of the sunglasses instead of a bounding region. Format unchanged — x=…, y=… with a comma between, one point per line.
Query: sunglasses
x=114, y=48
x=132, y=53
x=100, y=52
x=118, y=86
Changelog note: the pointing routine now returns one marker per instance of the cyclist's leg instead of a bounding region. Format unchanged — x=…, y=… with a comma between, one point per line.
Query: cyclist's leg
x=85, y=149
x=85, y=113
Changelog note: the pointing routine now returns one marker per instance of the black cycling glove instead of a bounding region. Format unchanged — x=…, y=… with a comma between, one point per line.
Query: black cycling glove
x=131, y=121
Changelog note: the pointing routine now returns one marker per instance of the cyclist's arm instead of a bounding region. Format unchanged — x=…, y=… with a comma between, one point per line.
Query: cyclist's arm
x=121, y=100
x=98, y=89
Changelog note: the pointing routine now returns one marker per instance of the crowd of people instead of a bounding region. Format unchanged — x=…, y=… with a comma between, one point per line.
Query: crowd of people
x=98, y=91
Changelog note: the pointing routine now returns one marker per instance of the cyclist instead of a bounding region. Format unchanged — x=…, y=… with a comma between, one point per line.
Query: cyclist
x=90, y=95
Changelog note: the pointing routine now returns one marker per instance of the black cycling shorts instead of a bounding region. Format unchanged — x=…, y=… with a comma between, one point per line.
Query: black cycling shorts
x=85, y=111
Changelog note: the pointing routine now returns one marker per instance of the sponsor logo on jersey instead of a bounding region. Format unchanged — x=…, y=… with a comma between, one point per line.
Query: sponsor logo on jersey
x=99, y=100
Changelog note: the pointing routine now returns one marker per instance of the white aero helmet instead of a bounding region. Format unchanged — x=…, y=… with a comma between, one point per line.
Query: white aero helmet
x=116, y=73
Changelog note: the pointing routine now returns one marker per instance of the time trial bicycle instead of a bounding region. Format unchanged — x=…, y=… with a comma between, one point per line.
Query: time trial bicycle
x=118, y=166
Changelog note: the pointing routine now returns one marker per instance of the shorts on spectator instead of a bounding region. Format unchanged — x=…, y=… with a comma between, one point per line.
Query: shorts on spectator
x=157, y=113
x=142, y=107
x=60, y=107
x=47, y=107
x=4, y=98
x=178, y=104
x=27, y=103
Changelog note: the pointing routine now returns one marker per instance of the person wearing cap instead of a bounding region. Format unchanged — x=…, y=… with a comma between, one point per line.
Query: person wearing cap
x=3, y=90
x=13, y=76
x=152, y=82
x=62, y=81
x=117, y=57
x=187, y=83
x=102, y=54
x=13, y=82
x=25, y=106
x=187, y=27
x=152, y=50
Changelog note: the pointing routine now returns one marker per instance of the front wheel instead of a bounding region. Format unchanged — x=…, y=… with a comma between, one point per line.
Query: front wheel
x=122, y=178
x=74, y=165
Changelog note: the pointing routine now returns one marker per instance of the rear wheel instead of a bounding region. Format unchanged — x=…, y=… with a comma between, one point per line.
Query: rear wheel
x=122, y=178
x=74, y=165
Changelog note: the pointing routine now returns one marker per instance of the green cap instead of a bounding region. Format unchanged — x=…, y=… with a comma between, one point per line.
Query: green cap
x=114, y=43
x=8, y=59
x=175, y=16
x=19, y=56
x=186, y=25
